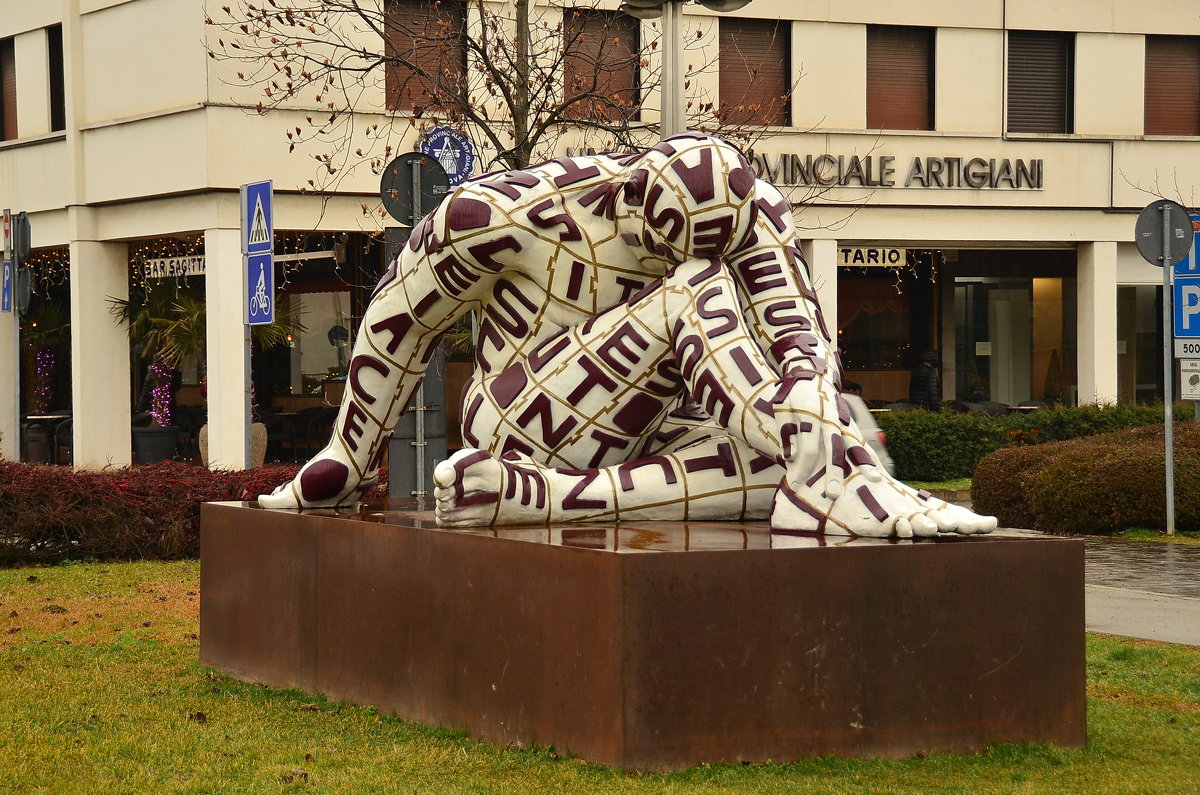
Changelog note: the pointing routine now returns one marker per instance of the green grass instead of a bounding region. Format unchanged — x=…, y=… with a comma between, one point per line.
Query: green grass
x=101, y=691
x=954, y=483
x=1185, y=537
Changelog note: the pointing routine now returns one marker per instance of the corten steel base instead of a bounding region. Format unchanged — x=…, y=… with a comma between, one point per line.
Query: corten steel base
x=655, y=645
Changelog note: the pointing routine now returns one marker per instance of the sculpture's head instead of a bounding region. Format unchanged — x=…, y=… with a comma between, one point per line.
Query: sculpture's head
x=690, y=196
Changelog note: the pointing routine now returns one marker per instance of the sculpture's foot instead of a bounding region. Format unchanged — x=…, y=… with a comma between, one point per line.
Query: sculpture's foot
x=869, y=503
x=321, y=483
x=467, y=488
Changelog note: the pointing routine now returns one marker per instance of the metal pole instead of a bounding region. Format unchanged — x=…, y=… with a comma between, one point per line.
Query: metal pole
x=1168, y=369
x=15, y=419
x=15, y=445
x=419, y=408
x=248, y=388
x=671, y=84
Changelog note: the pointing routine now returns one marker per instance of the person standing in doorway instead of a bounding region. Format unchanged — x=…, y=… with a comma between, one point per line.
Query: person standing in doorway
x=925, y=387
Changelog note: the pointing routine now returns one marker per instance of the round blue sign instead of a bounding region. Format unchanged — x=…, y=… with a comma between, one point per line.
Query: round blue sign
x=453, y=150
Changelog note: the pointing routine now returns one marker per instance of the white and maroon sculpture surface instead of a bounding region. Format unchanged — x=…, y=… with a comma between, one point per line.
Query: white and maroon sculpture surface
x=611, y=288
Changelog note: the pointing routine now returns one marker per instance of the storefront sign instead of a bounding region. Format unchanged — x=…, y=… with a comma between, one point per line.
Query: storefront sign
x=887, y=171
x=867, y=257
x=168, y=267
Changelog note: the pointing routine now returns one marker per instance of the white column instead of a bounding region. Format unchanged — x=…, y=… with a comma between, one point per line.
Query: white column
x=99, y=356
x=822, y=264
x=1096, y=284
x=10, y=424
x=227, y=352
x=672, y=69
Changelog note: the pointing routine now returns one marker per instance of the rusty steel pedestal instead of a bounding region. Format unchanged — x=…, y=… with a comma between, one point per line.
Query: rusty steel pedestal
x=654, y=645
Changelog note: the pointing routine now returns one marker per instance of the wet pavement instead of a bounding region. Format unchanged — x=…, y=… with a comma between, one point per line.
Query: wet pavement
x=1142, y=590
x=1167, y=569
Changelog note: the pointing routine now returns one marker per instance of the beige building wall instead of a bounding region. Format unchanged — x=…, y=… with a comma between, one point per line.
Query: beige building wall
x=160, y=137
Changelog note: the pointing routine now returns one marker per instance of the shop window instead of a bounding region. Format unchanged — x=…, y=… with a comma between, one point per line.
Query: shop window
x=427, y=59
x=1172, y=85
x=319, y=354
x=54, y=53
x=1015, y=335
x=1041, y=82
x=601, y=59
x=755, y=67
x=886, y=317
x=1139, y=344
x=8, y=90
x=899, y=78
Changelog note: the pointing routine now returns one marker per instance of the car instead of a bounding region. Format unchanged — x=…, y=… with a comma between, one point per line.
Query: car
x=875, y=437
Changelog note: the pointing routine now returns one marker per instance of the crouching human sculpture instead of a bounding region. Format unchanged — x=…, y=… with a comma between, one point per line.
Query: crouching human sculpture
x=650, y=348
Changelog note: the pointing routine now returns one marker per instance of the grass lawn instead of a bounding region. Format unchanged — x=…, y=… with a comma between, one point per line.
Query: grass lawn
x=101, y=691
x=932, y=485
x=1186, y=537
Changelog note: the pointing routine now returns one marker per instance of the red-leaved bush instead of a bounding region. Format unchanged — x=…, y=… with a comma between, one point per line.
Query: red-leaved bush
x=50, y=513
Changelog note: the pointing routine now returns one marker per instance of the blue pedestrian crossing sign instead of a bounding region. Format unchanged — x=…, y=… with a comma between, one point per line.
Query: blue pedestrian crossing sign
x=258, y=221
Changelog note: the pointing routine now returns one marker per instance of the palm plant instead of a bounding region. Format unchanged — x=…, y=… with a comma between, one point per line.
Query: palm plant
x=169, y=330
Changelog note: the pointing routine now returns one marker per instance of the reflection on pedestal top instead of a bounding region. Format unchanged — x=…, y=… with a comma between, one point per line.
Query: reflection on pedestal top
x=622, y=537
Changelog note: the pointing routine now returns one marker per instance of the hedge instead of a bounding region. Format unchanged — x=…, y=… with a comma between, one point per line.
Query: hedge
x=1099, y=484
x=932, y=446
x=49, y=513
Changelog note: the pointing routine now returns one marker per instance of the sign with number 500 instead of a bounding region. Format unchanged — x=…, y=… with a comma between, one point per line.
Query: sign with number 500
x=1187, y=349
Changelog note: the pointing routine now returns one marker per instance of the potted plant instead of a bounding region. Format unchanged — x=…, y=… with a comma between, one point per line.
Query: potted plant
x=168, y=329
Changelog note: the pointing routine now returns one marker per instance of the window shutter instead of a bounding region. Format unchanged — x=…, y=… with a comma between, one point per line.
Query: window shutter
x=8, y=88
x=1172, y=85
x=427, y=34
x=54, y=53
x=755, y=67
x=899, y=78
x=1041, y=78
x=603, y=51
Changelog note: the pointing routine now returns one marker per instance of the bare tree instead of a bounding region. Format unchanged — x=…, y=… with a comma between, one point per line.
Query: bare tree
x=518, y=76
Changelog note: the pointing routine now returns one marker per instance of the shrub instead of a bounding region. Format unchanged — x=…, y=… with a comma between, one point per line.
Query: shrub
x=1098, y=484
x=49, y=513
x=943, y=445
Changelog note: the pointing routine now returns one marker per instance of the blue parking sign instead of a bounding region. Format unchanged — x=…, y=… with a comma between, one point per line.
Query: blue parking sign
x=1190, y=265
x=260, y=289
x=1187, y=306
x=6, y=287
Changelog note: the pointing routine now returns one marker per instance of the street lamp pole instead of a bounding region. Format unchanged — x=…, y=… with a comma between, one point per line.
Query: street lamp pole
x=674, y=104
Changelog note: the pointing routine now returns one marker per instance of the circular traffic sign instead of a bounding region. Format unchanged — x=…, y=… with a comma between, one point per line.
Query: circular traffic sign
x=396, y=186
x=1148, y=232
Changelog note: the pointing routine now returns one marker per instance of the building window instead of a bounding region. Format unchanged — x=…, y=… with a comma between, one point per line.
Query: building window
x=8, y=90
x=1041, y=82
x=54, y=53
x=899, y=78
x=755, y=66
x=601, y=64
x=1172, y=85
x=427, y=65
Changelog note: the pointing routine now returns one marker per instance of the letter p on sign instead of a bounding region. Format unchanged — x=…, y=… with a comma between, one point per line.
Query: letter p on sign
x=1191, y=304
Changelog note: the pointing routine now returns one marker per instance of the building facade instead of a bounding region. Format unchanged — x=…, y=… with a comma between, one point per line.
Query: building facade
x=965, y=177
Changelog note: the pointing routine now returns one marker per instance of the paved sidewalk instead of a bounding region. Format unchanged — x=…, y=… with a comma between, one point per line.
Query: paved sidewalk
x=1143, y=590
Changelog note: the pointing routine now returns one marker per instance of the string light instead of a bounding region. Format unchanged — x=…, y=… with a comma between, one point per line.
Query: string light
x=161, y=393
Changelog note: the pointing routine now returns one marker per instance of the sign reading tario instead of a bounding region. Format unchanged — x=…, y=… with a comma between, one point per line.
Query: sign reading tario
x=860, y=256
